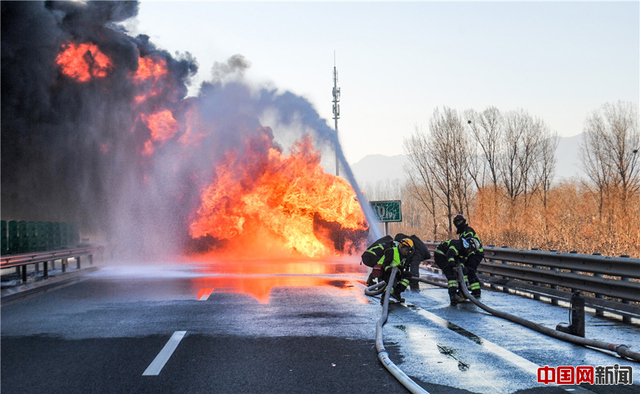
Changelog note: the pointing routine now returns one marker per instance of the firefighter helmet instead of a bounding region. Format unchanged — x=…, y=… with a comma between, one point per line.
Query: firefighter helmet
x=459, y=220
x=474, y=244
x=408, y=242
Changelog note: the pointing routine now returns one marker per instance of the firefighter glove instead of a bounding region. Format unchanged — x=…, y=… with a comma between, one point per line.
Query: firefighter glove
x=377, y=271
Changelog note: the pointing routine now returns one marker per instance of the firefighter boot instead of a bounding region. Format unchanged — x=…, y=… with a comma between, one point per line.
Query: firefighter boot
x=397, y=296
x=454, y=296
x=475, y=289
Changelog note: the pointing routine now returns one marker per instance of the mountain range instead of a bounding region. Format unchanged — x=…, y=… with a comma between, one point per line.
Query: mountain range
x=372, y=169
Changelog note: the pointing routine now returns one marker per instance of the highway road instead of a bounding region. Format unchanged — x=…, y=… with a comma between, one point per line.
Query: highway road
x=259, y=326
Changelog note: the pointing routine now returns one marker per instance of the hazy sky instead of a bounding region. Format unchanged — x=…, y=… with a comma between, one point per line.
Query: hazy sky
x=397, y=62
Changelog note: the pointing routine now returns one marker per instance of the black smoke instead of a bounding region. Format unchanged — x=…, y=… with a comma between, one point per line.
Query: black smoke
x=67, y=147
x=72, y=151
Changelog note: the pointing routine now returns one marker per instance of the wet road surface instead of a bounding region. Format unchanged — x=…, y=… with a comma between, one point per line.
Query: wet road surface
x=280, y=327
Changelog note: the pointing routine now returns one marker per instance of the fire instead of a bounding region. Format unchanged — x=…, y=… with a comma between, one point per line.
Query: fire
x=149, y=73
x=268, y=200
x=258, y=277
x=163, y=127
x=149, y=68
x=83, y=61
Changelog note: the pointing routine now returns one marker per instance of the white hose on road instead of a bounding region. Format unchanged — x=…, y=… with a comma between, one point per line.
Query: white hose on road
x=383, y=355
x=622, y=350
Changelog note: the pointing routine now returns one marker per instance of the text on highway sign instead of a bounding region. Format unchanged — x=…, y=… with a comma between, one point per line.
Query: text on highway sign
x=387, y=211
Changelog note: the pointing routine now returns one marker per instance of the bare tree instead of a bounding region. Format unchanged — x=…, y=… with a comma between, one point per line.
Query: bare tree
x=523, y=138
x=547, y=165
x=610, y=150
x=443, y=156
x=487, y=130
x=420, y=175
x=594, y=159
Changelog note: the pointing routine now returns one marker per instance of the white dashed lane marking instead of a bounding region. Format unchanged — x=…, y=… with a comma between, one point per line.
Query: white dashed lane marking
x=161, y=359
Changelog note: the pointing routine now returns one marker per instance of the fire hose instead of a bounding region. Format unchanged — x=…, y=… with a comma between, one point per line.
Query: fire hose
x=383, y=355
x=622, y=350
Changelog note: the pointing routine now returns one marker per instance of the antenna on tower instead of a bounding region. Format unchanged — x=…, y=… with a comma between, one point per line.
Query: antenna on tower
x=336, y=105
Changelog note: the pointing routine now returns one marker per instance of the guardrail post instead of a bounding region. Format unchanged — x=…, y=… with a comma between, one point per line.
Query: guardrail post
x=536, y=266
x=24, y=273
x=554, y=301
x=599, y=311
x=78, y=261
x=64, y=265
x=626, y=319
x=505, y=289
x=46, y=269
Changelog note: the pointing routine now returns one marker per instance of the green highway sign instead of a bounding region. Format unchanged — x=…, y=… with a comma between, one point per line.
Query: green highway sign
x=387, y=211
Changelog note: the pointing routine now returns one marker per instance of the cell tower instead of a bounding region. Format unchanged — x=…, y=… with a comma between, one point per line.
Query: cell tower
x=336, y=106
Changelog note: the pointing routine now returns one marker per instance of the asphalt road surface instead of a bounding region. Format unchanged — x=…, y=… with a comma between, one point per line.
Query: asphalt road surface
x=280, y=327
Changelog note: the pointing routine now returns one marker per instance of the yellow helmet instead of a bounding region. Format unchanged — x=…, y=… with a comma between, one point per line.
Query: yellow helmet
x=407, y=242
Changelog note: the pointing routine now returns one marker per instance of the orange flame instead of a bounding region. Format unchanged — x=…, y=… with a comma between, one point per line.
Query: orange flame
x=150, y=71
x=163, y=127
x=273, y=201
x=83, y=61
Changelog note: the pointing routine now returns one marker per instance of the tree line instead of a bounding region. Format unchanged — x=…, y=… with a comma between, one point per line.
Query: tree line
x=497, y=168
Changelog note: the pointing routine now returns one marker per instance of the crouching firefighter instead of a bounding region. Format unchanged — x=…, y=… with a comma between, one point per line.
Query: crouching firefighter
x=448, y=255
x=420, y=253
x=374, y=253
x=395, y=256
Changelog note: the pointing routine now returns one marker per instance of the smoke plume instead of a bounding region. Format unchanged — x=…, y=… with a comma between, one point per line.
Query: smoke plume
x=97, y=128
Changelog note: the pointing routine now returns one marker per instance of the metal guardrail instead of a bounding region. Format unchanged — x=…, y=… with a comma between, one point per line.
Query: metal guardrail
x=608, y=284
x=21, y=260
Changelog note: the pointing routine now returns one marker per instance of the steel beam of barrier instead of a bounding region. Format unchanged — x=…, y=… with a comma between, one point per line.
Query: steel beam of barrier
x=615, y=266
x=22, y=260
x=541, y=273
x=608, y=287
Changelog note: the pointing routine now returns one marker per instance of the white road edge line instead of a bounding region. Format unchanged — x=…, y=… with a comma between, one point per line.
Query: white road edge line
x=161, y=359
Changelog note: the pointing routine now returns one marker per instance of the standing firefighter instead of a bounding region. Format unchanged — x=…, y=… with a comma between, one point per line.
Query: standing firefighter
x=475, y=257
x=420, y=253
x=448, y=255
x=395, y=256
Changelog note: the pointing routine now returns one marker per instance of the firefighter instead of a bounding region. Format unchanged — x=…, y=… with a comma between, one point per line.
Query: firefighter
x=395, y=256
x=448, y=255
x=374, y=253
x=475, y=258
x=420, y=253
